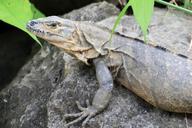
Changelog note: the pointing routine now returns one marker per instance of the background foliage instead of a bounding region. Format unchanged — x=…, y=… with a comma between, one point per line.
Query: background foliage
x=18, y=13
x=143, y=9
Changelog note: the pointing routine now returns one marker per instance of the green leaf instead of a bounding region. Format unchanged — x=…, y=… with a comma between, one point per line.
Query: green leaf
x=18, y=13
x=121, y=14
x=143, y=10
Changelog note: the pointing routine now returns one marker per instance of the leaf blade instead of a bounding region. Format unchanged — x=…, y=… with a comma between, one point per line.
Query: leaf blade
x=117, y=21
x=18, y=13
x=143, y=10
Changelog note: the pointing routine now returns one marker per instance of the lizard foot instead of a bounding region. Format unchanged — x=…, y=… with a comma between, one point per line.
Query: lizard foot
x=87, y=113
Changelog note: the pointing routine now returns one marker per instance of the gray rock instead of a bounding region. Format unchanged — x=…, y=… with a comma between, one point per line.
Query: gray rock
x=14, y=52
x=47, y=87
x=98, y=12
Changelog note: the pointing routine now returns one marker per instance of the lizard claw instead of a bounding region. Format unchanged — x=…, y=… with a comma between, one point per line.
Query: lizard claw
x=86, y=113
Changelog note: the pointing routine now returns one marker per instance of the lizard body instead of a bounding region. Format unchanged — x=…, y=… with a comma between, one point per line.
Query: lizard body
x=162, y=78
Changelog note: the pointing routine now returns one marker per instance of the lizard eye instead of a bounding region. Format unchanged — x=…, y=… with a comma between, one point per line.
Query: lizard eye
x=52, y=25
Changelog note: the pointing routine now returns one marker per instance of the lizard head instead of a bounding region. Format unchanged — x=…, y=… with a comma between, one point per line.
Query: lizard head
x=53, y=28
x=64, y=34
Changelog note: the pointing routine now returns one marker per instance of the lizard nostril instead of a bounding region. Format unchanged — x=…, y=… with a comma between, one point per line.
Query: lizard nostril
x=32, y=23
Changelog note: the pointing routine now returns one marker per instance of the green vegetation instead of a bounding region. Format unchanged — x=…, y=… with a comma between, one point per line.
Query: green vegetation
x=18, y=13
x=187, y=5
x=143, y=9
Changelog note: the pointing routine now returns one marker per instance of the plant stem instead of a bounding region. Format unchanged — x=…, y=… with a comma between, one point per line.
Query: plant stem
x=174, y=6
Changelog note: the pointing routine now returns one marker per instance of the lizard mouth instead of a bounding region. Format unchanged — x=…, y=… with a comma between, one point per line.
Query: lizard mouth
x=33, y=30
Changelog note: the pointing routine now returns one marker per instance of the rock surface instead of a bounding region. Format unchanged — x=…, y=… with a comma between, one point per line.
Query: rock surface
x=47, y=86
x=14, y=52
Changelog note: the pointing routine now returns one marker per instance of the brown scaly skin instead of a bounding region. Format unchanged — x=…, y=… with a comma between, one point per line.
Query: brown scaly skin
x=160, y=77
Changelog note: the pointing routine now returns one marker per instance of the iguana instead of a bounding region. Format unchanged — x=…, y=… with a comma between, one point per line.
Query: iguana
x=160, y=71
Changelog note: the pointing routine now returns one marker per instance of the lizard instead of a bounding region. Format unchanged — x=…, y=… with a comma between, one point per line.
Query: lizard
x=159, y=76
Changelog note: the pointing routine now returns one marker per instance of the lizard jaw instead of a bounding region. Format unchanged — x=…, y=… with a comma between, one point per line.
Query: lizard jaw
x=34, y=31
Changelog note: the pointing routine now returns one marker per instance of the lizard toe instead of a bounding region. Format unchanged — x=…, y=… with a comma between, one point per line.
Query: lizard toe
x=86, y=113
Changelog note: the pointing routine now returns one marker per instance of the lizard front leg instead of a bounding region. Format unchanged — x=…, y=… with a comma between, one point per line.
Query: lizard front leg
x=101, y=98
